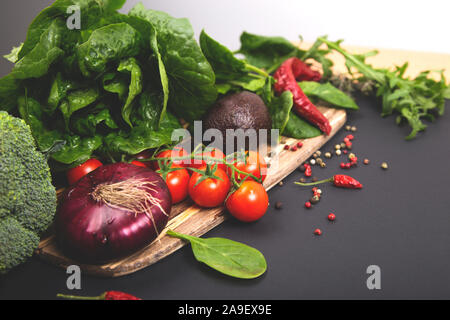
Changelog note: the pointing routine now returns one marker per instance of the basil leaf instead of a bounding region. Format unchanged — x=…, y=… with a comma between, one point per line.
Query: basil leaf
x=229, y=257
x=327, y=92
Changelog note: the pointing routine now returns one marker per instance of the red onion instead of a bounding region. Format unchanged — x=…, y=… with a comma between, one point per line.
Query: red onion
x=112, y=212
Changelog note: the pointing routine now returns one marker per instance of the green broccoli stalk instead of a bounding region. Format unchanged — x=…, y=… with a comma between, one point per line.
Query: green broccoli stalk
x=27, y=196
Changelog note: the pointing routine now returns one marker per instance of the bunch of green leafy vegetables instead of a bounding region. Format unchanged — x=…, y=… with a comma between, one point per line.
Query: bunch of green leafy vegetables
x=412, y=99
x=263, y=55
x=115, y=87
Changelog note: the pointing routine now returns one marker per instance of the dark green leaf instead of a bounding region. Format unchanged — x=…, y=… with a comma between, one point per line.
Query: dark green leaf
x=131, y=65
x=229, y=257
x=191, y=78
x=327, y=92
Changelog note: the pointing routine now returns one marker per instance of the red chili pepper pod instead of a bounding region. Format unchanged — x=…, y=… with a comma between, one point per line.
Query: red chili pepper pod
x=308, y=171
x=108, y=295
x=343, y=181
x=286, y=80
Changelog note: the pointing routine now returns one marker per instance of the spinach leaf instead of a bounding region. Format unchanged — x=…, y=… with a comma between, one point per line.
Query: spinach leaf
x=115, y=83
x=86, y=125
x=229, y=257
x=37, y=62
x=77, y=100
x=300, y=129
x=327, y=92
x=267, y=52
x=108, y=44
x=226, y=66
x=77, y=150
x=10, y=89
x=280, y=109
x=191, y=78
x=131, y=65
x=58, y=92
x=13, y=56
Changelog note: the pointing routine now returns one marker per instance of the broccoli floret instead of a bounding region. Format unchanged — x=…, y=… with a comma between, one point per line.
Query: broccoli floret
x=27, y=196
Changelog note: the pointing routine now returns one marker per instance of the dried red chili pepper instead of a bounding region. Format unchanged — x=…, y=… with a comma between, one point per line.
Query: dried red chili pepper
x=339, y=180
x=108, y=295
x=286, y=80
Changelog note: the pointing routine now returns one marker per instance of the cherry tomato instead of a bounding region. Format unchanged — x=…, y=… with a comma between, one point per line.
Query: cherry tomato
x=178, y=182
x=213, y=153
x=138, y=163
x=249, y=202
x=254, y=164
x=210, y=192
x=75, y=174
x=175, y=152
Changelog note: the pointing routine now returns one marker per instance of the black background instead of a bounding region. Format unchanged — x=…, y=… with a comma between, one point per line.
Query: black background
x=399, y=221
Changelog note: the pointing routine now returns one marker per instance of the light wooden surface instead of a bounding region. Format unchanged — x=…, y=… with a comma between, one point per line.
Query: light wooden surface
x=190, y=219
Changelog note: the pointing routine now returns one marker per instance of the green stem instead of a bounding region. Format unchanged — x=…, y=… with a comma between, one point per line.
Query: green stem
x=314, y=183
x=256, y=70
x=66, y=296
x=179, y=235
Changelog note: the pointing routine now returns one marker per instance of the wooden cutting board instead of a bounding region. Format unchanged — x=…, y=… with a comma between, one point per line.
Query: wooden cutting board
x=190, y=219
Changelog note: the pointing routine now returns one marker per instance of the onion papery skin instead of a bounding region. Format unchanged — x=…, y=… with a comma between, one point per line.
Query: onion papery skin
x=94, y=232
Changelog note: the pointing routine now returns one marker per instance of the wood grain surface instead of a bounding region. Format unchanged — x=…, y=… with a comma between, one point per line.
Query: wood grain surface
x=190, y=219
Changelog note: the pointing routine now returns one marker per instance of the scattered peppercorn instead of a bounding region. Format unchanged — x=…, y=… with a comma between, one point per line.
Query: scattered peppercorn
x=366, y=161
x=308, y=171
x=323, y=165
x=294, y=148
x=302, y=180
x=348, y=128
x=278, y=205
x=354, y=129
x=345, y=151
x=338, y=152
x=314, y=199
x=384, y=165
x=331, y=217
x=319, y=153
x=308, y=204
x=314, y=179
x=281, y=183
x=342, y=145
x=318, y=232
x=299, y=144
x=328, y=155
x=286, y=147
x=312, y=161
x=301, y=168
x=337, y=147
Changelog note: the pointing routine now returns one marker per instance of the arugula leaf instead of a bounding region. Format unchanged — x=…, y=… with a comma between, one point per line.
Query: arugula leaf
x=327, y=92
x=229, y=257
x=413, y=99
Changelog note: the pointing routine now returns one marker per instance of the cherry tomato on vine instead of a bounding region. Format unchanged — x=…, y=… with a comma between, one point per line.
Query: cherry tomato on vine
x=210, y=192
x=75, y=174
x=173, y=153
x=138, y=163
x=213, y=153
x=254, y=164
x=249, y=202
x=178, y=182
